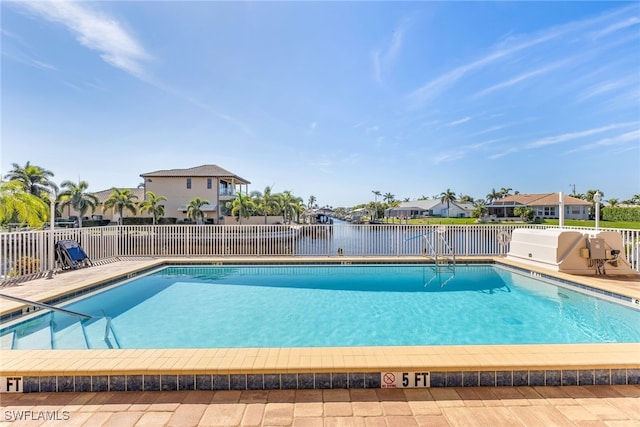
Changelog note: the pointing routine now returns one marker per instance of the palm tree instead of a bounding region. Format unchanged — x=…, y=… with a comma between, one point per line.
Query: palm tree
x=290, y=205
x=466, y=199
x=376, y=194
x=35, y=179
x=612, y=202
x=388, y=197
x=493, y=196
x=242, y=206
x=76, y=196
x=121, y=199
x=20, y=206
x=504, y=192
x=151, y=205
x=194, y=209
x=266, y=202
x=311, y=202
x=448, y=197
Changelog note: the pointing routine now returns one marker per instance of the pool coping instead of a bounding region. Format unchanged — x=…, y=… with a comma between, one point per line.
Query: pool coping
x=316, y=367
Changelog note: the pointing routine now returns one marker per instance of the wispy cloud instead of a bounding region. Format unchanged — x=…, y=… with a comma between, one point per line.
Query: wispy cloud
x=619, y=140
x=459, y=122
x=19, y=55
x=550, y=140
x=522, y=77
x=95, y=31
x=384, y=57
x=509, y=47
x=616, y=27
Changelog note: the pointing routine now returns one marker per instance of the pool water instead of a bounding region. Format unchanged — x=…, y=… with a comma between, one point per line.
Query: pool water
x=311, y=306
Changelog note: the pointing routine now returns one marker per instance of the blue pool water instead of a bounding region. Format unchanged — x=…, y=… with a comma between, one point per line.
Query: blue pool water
x=309, y=306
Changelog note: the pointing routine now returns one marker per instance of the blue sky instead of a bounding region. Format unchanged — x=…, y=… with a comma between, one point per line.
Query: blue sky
x=331, y=99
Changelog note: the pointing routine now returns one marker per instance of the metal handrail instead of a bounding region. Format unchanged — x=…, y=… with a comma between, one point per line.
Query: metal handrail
x=47, y=306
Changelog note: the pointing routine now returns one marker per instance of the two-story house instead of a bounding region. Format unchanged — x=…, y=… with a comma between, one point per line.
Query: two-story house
x=180, y=186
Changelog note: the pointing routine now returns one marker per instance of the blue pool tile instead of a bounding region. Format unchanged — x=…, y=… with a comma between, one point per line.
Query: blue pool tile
x=221, y=382
x=239, y=382
x=339, y=380
x=569, y=377
x=585, y=377
x=356, y=380
x=271, y=381
x=536, y=378
x=48, y=384
x=454, y=379
x=470, y=379
x=372, y=380
x=31, y=384
x=504, y=378
x=82, y=383
x=134, y=382
x=603, y=377
x=169, y=382
x=520, y=378
x=305, y=381
x=633, y=376
x=186, y=382
x=553, y=378
x=66, y=384
x=323, y=381
x=117, y=383
x=289, y=381
x=487, y=379
x=151, y=382
x=255, y=382
x=204, y=382
x=438, y=379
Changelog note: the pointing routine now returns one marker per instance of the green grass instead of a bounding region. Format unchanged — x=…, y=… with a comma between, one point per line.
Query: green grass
x=569, y=223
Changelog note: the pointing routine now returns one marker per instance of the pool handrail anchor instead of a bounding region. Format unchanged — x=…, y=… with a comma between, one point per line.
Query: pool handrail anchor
x=46, y=306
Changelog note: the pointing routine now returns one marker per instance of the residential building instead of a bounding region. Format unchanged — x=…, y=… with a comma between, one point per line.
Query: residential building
x=180, y=186
x=543, y=205
x=431, y=207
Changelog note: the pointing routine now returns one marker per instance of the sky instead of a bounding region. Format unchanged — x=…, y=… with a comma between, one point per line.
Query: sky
x=331, y=99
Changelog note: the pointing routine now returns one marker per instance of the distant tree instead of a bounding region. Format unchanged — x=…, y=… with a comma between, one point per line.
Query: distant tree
x=121, y=199
x=479, y=211
x=19, y=206
x=34, y=179
x=77, y=197
x=493, y=196
x=448, y=197
x=290, y=205
x=465, y=199
x=423, y=197
x=312, y=202
x=406, y=199
x=635, y=200
x=388, y=197
x=152, y=205
x=504, y=192
x=612, y=202
x=525, y=213
x=243, y=207
x=376, y=194
x=194, y=209
x=265, y=203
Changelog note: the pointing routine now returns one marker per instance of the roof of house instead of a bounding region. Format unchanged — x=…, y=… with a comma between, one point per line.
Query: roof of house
x=105, y=194
x=550, y=199
x=198, y=171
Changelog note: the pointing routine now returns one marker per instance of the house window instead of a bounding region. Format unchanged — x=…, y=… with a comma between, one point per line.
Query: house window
x=208, y=183
x=188, y=183
x=576, y=210
x=549, y=211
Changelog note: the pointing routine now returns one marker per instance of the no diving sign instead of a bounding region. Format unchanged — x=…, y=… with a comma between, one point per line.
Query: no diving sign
x=405, y=380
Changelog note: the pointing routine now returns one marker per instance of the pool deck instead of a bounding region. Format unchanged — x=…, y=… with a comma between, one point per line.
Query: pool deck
x=582, y=363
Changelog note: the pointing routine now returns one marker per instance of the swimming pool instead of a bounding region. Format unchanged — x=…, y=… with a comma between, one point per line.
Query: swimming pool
x=329, y=306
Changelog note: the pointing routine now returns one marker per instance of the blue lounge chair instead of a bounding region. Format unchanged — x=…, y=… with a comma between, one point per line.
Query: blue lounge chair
x=71, y=255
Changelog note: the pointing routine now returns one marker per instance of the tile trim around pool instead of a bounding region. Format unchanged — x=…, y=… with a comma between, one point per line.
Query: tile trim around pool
x=323, y=380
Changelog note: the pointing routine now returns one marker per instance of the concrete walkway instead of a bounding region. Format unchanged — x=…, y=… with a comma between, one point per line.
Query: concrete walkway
x=613, y=406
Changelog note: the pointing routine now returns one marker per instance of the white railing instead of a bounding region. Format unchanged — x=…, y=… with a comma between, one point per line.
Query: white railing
x=25, y=254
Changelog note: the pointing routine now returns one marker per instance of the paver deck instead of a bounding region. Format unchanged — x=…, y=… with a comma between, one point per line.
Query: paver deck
x=613, y=406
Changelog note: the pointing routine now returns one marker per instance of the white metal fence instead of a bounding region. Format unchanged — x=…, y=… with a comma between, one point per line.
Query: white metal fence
x=26, y=254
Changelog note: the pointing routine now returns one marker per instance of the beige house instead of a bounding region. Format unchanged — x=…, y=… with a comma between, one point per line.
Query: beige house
x=543, y=205
x=180, y=186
